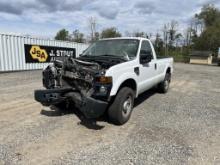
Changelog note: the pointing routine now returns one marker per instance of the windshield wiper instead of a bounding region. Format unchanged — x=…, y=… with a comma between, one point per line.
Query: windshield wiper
x=109, y=55
x=112, y=55
x=85, y=55
x=104, y=56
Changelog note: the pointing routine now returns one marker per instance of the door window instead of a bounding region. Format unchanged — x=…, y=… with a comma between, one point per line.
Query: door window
x=146, y=48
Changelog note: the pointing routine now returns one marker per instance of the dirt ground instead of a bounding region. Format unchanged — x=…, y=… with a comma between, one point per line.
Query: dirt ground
x=180, y=127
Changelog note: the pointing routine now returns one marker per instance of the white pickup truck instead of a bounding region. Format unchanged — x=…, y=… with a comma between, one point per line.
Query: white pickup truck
x=107, y=77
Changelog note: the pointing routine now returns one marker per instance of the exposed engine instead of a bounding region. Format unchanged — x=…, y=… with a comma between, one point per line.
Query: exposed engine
x=80, y=74
x=77, y=73
x=72, y=72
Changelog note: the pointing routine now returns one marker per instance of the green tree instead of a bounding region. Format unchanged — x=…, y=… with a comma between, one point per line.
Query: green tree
x=78, y=36
x=209, y=14
x=209, y=39
x=139, y=34
x=63, y=34
x=111, y=32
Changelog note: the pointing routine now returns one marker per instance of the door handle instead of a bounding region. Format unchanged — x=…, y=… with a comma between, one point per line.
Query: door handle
x=155, y=66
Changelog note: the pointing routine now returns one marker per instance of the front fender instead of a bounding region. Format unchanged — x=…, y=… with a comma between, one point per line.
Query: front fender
x=119, y=80
x=121, y=73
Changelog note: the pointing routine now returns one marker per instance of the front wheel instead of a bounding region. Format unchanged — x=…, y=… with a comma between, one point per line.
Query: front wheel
x=164, y=85
x=120, y=110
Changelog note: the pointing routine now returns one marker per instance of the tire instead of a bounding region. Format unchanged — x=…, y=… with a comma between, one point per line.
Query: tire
x=120, y=110
x=163, y=87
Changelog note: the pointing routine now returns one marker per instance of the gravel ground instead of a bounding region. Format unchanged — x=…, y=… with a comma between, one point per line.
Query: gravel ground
x=180, y=127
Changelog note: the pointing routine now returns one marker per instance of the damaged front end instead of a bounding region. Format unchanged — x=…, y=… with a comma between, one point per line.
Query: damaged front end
x=78, y=81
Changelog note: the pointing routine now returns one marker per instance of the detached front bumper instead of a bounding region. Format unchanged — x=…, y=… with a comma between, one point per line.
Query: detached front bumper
x=90, y=107
x=49, y=97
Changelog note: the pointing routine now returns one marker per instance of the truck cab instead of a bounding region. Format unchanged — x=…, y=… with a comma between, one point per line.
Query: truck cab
x=145, y=70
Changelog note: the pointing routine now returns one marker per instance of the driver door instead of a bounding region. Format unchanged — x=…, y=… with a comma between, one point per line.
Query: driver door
x=148, y=70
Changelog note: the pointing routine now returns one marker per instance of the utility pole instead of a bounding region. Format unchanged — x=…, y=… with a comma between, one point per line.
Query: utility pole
x=92, y=26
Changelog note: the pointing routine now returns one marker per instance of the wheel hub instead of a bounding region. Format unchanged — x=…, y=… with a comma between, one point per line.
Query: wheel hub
x=127, y=105
x=166, y=84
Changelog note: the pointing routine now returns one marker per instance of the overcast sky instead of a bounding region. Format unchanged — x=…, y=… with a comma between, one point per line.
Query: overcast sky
x=45, y=17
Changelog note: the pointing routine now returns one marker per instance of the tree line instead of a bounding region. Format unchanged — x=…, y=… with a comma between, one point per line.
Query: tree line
x=77, y=36
x=202, y=33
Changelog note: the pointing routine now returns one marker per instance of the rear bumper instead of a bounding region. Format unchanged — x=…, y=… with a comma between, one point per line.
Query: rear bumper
x=90, y=107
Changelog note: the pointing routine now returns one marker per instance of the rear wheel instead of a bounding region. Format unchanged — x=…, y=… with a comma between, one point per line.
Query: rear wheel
x=164, y=85
x=120, y=110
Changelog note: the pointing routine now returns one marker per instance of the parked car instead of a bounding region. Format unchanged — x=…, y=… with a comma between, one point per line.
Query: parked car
x=107, y=76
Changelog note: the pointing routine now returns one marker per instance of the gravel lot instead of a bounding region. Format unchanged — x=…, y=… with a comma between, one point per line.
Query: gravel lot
x=180, y=127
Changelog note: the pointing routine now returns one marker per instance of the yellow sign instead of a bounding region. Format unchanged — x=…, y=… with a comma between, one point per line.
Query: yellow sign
x=38, y=54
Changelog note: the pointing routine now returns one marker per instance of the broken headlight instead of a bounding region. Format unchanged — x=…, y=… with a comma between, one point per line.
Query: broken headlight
x=103, y=85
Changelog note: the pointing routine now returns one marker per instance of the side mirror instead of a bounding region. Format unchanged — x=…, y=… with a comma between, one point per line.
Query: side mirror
x=145, y=57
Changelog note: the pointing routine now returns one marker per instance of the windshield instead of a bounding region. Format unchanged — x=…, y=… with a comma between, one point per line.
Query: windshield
x=126, y=48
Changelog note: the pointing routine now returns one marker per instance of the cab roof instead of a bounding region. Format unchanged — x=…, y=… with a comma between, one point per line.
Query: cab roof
x=125, y=38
